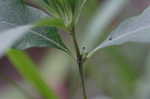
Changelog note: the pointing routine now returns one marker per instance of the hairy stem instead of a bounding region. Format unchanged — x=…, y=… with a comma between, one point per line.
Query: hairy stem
x=80, y=62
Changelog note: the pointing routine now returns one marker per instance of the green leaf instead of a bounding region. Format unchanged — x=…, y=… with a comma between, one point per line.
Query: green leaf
x=67, y=10
x=52, y=22
x=14, y=13
x=135, y=29
x=28, y=70
x=102, y=19
x=58, y=9
x=42, y=37
x=46, y=1
x=80, y=7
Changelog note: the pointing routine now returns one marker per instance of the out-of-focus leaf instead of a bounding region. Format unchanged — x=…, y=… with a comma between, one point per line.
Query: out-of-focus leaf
x=52, y=22
x=14, y=13
x=58, y=9
x=9, y=37
x=79, y=7
x=67, y=10
x=135, y=29
x=28, y=70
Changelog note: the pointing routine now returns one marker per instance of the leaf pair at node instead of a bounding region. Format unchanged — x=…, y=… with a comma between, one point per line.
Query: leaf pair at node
x=66, y=10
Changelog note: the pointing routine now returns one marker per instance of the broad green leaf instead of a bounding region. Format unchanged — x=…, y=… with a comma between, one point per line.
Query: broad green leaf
x=9, y=37
x=76, y=7
x=14, y=13
x=67, y=10
x=58, y=9
x=51, y=22
x=135, y=29
x=42, y=37
x=28, y=70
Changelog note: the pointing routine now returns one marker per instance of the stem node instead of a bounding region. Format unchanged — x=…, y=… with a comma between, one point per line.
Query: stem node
x=80, y=62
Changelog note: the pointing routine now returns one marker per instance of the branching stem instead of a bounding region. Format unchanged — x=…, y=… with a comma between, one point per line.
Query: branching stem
x=77, y=49
x=80, y=61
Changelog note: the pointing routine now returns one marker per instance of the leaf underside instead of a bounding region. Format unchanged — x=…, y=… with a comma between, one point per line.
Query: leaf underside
x=134, y=29
x=42, y=37
x=14, y=13
x=8, y=38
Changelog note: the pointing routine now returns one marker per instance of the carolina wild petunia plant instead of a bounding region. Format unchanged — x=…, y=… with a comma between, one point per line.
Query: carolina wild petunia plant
x=36, y=23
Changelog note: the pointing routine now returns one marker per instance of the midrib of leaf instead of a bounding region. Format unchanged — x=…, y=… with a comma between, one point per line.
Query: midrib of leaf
x=48, y=39
x=131, y=33
x=39, y=34
x=117, y=38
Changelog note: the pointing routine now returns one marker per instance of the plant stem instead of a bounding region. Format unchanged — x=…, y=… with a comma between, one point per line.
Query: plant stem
x=80, y=62
x=80, y=65
x=77, y=49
